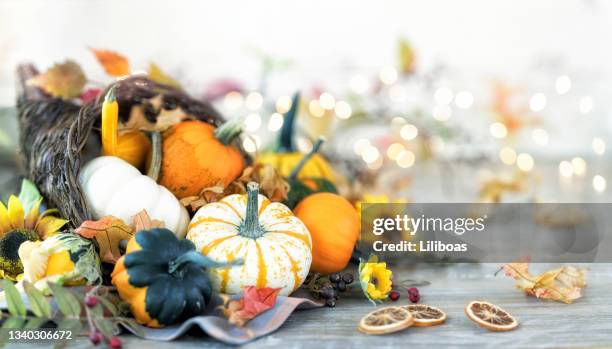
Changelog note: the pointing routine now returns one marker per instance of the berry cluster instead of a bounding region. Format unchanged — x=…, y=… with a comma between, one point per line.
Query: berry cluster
x=329, y=288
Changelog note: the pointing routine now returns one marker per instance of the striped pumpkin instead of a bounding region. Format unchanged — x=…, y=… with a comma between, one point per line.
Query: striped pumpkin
x=274, y=245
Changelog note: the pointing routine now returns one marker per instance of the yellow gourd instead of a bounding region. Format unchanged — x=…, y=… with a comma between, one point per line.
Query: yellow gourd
x=131, y=146
x=285, y=157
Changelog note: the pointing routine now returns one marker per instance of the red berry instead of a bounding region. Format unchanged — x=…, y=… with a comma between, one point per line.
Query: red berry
x=115, y=343
x=91, y=301
x=394, y=295
x=95, y=337
x=413, y=294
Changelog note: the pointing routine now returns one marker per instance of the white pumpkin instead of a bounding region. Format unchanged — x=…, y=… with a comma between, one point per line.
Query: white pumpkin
x=113, y=187
x=274, y=246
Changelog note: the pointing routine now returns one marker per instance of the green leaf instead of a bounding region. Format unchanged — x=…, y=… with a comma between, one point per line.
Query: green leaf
x=13, y=299
x=67, y=303
x=29, y=195
x=12, y=323
x=131, y=324
x=106, y=327
x=38, y=303
x=108, y=305
x=35, y=323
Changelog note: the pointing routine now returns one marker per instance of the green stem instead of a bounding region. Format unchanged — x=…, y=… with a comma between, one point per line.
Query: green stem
x=156, y=156
x=250, y=227
x=285, y=143
x=306, y=157
x=228, y=132
x=110, y=95
x=195, y=257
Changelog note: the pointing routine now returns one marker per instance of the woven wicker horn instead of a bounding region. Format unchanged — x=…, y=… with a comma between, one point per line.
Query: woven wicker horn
x=55, y=135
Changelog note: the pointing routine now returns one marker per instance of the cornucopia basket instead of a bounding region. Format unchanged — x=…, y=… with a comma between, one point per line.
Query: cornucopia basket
x=57, y=137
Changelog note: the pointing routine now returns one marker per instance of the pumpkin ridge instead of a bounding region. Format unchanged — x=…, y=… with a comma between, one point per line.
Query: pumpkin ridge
x=231, y=207
x=264, y=205
x=262, y=274
x=206, y=249
x=294, y=268
x=294, y=235
x=202, y=220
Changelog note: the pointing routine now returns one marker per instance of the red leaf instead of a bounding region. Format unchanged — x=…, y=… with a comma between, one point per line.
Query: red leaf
x=254, y=302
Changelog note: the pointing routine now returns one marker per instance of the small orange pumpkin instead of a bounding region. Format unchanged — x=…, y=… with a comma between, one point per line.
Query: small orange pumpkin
x=198, y=156
x=334, y=227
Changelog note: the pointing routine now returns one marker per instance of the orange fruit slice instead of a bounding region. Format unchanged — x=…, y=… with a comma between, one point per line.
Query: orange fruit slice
x=425, y=315
x=386, y=320
x=490, y=316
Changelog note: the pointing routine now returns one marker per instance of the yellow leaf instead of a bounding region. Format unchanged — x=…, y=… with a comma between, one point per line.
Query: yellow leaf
x=63, y=80
x=108, y=232
x=158, y=75
x=564, y=284
x=406, y=57
x=113, y=63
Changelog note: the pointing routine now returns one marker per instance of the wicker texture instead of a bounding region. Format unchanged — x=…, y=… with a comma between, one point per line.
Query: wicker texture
x=57, y=137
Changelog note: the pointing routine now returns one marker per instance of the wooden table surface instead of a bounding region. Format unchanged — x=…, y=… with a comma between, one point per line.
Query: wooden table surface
x=543, y=324
x=586, y=323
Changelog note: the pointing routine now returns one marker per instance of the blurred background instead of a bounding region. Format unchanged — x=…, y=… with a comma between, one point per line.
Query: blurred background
x=429, y=101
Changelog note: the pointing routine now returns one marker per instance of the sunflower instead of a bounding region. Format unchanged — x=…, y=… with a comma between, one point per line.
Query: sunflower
x=375, y=279
x=18, y=226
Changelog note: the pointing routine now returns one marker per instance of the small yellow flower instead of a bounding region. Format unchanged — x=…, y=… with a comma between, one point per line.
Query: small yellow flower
x=18, y=226
x=375, y=279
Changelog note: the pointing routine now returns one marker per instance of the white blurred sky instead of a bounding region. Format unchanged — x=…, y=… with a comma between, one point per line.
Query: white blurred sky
x=203, y=40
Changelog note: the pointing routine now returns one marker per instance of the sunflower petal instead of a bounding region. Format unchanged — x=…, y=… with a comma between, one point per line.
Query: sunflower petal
x=5, y=223
x=49, y=226
x=15, y=211
x=32, y=216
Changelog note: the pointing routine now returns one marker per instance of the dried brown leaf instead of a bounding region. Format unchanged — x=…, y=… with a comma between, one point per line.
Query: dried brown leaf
x=142, y=221
x=563, y=284
x=108, y=233
x=272, y=184
x=63, y=80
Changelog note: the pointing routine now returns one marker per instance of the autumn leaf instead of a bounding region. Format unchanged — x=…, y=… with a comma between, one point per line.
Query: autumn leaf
x=142, y=221
x=272, y=184
x=63, y=80
x=563, y=284
x=113, y=63
x=158, y=75
x=254, y=302
x=406, y=57
x=108, y=233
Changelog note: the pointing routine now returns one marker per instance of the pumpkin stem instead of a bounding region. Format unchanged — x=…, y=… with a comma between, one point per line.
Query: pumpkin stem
x=306, y=157
x=250, y=228
x=285, y=142
x=228, y=132
x=195, y=257
x=156, y=156
x=110, y=120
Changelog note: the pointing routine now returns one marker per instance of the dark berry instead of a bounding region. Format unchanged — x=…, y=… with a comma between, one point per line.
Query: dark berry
x=348, y=278
x=413, y=294
x=341, y=286
x=327, y=291
x=95, y=337
x=91, y=301
x=335, y=278
x=394, y=295
x=115, y=343
x=331, y=302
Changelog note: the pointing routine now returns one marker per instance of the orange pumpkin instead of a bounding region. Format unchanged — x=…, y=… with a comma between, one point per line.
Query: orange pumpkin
x=334, y=227
x=198, y=156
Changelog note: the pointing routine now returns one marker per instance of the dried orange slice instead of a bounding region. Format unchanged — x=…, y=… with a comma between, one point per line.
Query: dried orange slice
x=425, y=315
x=386, y=320
x=490, y=316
